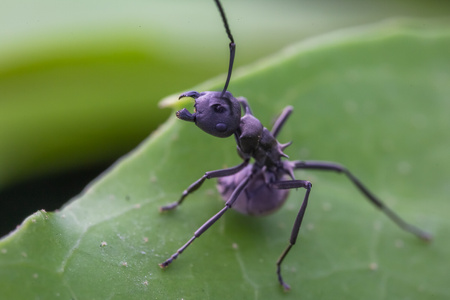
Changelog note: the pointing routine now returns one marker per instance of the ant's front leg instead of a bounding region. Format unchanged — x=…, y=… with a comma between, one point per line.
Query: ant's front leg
x=281, y=120
x=208, y=175
x=237, y=191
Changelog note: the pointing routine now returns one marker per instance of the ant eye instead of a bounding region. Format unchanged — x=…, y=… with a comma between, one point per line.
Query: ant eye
x=219, y=108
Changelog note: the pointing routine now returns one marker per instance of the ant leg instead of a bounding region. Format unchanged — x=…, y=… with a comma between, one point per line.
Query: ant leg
x=281, y=120
x=211, y=221
x=244, y=103
x=208, y=175
x=292, y=184
x=330, y=166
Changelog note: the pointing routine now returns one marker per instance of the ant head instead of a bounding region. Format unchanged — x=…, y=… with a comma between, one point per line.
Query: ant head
x=214, y=113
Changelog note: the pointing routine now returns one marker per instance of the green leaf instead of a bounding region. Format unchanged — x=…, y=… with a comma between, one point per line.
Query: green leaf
x=372, y=98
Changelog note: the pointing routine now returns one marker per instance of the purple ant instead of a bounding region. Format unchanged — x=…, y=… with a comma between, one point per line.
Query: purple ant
x=261, y=187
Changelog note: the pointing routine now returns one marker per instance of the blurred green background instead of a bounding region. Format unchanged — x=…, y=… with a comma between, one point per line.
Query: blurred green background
x=80, y=80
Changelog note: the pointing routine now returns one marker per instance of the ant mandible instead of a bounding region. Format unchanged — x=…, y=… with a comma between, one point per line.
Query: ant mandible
x=261, y=187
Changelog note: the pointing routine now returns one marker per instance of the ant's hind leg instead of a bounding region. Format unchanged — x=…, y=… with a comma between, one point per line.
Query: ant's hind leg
x=208, y=175
x=292, y=184
x=330, y=166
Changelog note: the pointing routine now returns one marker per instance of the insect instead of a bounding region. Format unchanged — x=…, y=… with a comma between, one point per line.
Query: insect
x=260, y=187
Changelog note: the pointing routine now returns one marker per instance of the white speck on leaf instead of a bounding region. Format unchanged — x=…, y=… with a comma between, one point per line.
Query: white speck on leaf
x=326, y=206
x=404, y=167
x=399, y=244
x=350, y=106
x=377, y=225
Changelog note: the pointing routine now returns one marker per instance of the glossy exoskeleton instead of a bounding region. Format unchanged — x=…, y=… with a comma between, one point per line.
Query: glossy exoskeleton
x=260, y=187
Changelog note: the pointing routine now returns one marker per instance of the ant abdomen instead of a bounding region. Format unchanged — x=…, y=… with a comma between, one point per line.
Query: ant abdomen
x=258, y=198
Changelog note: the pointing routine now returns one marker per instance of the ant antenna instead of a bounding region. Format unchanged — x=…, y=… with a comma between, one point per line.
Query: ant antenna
x=232, y=46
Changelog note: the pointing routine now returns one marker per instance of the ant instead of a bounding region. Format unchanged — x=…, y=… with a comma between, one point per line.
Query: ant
x=261, y=187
